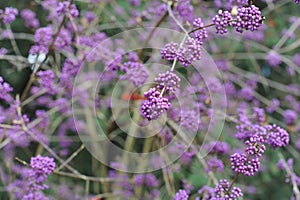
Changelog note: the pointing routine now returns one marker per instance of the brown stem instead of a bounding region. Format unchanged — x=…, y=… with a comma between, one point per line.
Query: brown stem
x=199, y=28
x=141, y=53
x=28, y=86
x=51, y=46
x=233, y=181
x=50, y=49
x=206, y=26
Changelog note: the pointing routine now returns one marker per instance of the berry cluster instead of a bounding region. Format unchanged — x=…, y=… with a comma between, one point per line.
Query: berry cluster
x=201, y=32
x=223, y=191
x=32, y=185
x=186, y=54
x=155, y=104
x=256, y=137
x=248, y=18
x=221, y=21
x=168, y=80
x=42, y=167
x=8, y=15
x=65, y=7
x=5, y=89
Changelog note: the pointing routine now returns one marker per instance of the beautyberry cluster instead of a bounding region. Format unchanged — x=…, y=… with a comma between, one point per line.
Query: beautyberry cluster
x=248, y=18
x=221, y=21
x=156, y=104
x=200, y=34
x=186, y=54
x=241, y=163
x=5, y=89
x=256, y=136
x=8, y=15
x=42, y=38
x=224, y=192
x=168, y=80
x=31, y=185
x=29, y=17
x=181, y=195
x=42, y=167
x=135, y=72
x=66, y=8
x=146, y=179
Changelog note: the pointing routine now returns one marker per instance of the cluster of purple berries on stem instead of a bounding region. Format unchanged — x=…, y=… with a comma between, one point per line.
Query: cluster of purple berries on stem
x=156, y=104
x=248, y=163
x=248, y=18
x=256, y=135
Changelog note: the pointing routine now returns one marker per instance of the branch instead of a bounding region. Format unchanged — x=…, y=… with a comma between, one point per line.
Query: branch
x=141, y=53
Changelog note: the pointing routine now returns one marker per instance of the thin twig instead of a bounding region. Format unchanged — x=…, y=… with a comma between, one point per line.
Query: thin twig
x=71, y=157
x=50, y=49
x=141, y=53
x=200, y=158
x=170, y=4
x=87, y=189
x=13, y=41
x=292, y=175
x=5, y=142
x=285, y=37
x=72, y=175
x=22, y=161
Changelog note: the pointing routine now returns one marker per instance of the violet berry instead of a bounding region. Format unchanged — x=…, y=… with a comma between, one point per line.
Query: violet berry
x=181, y=55
x=46, y=79
x=190, y=52
x=3, y=51
x=189, y=119
x=43, y=36
x=259, y=114
x=134, y=72
x=290, y=116
x=215, y=165
x=273, y=58
x=146, y=179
